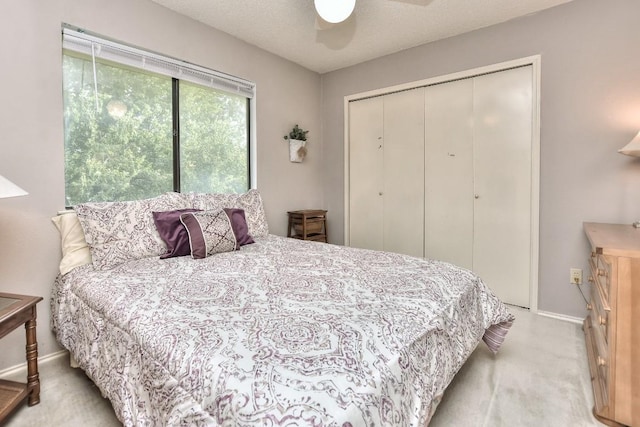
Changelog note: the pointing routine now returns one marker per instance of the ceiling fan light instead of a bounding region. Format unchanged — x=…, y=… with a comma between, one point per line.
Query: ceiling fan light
x=334, y=11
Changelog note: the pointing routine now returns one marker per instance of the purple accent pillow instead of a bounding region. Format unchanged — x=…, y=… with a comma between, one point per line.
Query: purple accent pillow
x=239, y=226
x=172, y=232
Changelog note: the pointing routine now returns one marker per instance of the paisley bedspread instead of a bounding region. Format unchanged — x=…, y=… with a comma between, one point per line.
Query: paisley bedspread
x=282, y=332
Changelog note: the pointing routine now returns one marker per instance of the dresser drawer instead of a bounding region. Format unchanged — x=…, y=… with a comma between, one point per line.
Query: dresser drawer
x=596, y=364
x=601, y=273
x=601, y=354
x=600, y=310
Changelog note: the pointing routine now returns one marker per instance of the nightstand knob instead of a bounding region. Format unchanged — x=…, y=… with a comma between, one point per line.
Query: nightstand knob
x=602, y=320
x=601, y=272
x=601, y=361
x=589, y=307
x=590, y=279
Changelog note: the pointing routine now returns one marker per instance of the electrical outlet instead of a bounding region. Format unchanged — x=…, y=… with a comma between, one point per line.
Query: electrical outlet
x=575, y=276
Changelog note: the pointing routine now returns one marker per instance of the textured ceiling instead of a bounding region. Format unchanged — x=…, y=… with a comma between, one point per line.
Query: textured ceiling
x=291, y=29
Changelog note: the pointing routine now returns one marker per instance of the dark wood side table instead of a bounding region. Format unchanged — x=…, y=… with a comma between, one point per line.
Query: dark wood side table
x=16, y=310
x=309, y=224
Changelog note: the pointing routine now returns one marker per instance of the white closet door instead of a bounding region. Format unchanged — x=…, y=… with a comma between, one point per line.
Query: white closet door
x=503, y=111
x=365, y=173
x=403, y=192
x=448, y=160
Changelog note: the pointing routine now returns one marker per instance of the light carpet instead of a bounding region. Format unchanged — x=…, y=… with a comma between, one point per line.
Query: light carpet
x=540, y=377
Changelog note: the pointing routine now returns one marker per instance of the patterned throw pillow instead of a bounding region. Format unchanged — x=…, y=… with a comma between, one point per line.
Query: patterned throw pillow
x=250, y=202
x=210, y=232
x=120, y=231
x=213, y=201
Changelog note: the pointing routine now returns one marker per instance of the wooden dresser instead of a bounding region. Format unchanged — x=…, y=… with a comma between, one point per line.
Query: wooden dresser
x=612, y=328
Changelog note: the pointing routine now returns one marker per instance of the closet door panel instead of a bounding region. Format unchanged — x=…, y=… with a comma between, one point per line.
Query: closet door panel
x=503, y=110
x=365, y=177
x=448, y=207
x=403, y=191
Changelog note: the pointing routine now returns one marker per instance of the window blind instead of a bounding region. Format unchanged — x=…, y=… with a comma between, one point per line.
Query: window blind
x=97, y=47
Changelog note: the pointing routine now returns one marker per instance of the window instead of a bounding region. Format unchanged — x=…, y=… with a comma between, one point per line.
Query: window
x=137, y=124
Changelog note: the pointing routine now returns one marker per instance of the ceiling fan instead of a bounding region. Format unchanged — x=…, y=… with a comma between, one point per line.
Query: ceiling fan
x=334, y=11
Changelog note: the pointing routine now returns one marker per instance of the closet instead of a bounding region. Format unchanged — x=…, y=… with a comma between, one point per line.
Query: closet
x=387, y=170
x=444, y=171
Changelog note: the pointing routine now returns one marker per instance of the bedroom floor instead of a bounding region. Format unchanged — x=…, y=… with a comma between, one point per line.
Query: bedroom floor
x=539, y=378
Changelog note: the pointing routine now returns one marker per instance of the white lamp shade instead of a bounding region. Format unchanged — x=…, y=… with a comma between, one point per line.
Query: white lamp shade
x=9, y=189
x=334, y=11
x=632, y=148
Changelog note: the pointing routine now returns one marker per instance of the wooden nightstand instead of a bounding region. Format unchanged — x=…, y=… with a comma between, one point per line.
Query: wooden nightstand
x=308, y=224
x=16, y=310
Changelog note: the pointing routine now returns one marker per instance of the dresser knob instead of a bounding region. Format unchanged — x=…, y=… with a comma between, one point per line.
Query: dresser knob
x=590, y=279
x=602, y=320
x=589, y=307
x=601, y=361
x=601, y=272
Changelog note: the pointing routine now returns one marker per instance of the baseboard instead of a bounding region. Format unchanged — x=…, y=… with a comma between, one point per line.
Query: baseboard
x=17, y=369
x=572, y=319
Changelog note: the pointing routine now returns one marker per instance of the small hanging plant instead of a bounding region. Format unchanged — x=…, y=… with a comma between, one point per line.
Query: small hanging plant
x=297, y=133
x=297, y=144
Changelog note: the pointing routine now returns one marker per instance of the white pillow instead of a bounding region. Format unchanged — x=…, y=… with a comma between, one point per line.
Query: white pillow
x=75, y=251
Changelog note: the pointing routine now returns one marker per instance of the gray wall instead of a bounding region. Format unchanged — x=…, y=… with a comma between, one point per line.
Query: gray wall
x=31, y=132
x=590, y=107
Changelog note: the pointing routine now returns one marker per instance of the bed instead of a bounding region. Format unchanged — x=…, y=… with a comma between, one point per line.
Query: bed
x=279, y=332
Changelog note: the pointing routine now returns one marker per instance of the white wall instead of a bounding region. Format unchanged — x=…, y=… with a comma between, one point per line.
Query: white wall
x=590, y=108
x=31, y=132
